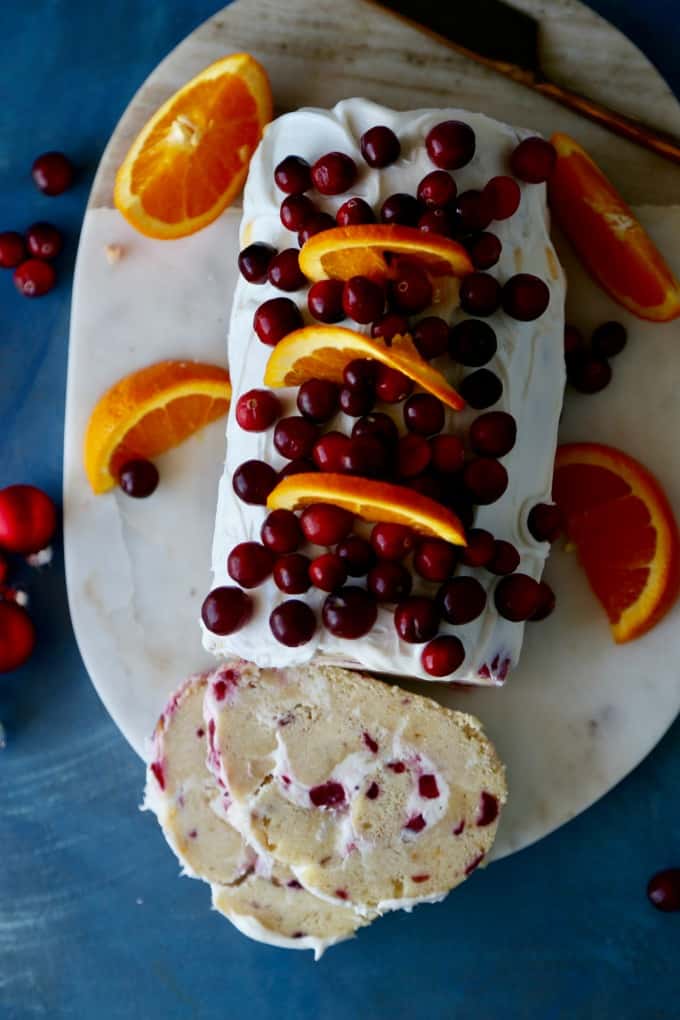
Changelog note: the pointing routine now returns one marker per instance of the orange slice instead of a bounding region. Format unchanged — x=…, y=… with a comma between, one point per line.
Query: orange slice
x=321, y=352
x=623, y=527
x=190, y=159
x=610, y=242
x=363, y=250
x=149, y=412
x=374, y=501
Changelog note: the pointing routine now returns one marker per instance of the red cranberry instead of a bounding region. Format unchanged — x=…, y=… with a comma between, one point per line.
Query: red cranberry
x=334, y=173
x=293, y=175
x=327, y=572
x=473, y=343
x=545, y=522
x=485, y=250
x=330, y=450
x=291, y=573
x=373, y=791
x=392, y=541
x=505, y=559
x=299, y=466
x=412, y=289
x=324, y=524
x=442, y=656
x=377, y=424
x=28, y=519
x=389, y=326
x=226, y=610
x=451, y=144
x=546, y=603
x=473, y=210
x=257, y=410
x=413, y=455
x=493, y=434
x=416, y=619
x=416, y=824
x=431, y=336
x=249, y=564
x=292, y=623
x=389, y=582
x=428, y=485
x=574, y=343
x=285, y=272
x=275, y=319
x=281, y=531
x=296, y=210
x=360, y=374
x=328, y=795
x=480, y=294
x=254, y=262
x=504, y=196
x=608, y=340
x=380, y=146
x=437, y=189
x=461, y=600
x=437, y=221
x=481, y=389
x=391, y=385
x=357, y=400
x=315, y=225
x=401, y=209
x=17, y=636
x=356, y=554
x=52, y=173
x=349, y=612
x=317, y=400
x=434, y=559
x=354, y=212
x=424, y=414
x=517, y=597
x=479, y=549
x=362, y=299
x=533, y=160
x=367, y=455
x=663, y=890
x=33, y=278
x=44, y=241
x=427, y=787
x=525, y=297
x=485, y=479
x=589, y=375
x=138, y=478
x=448, y=454
x=294, y=437
x=487, y=811
x=253, y=481
x=12, y=249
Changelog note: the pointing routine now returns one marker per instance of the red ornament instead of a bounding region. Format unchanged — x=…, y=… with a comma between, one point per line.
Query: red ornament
x=17, y=636
x=28, y=519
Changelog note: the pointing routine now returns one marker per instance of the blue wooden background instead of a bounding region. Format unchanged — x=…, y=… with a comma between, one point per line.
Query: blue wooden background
x=94, y=924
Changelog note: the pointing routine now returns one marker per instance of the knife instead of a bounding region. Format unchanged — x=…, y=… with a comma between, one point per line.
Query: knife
x=506, y=39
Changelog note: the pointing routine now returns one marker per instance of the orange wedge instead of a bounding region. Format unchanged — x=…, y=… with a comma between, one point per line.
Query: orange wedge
x=321, y=352
x=364, y=250
x=149, y=412
x=191, y=158
x=373, y=501
x=622, y=525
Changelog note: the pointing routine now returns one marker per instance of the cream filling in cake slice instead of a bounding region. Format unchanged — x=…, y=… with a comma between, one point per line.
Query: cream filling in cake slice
x=529, y=362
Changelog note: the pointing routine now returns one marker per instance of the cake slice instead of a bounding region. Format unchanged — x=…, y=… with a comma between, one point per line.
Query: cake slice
x=373, y=797
x=261, y=897
x=484, y=335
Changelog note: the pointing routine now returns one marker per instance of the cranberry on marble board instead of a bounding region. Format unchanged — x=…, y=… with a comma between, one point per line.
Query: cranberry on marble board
x=138, y=478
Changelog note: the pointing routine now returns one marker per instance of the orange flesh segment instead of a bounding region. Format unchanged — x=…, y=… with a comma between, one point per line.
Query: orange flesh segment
x=373, y=501
x=322, y=352
x=623, y=527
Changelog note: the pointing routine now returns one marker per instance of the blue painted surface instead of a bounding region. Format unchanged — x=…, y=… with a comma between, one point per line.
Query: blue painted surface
x=93, y=922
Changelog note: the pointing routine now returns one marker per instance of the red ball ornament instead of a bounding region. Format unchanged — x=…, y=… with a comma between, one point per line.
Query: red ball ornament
x=17, y=636
x=28, y=519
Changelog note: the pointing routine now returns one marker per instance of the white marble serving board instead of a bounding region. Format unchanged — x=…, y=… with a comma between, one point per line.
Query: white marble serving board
x=579, y=712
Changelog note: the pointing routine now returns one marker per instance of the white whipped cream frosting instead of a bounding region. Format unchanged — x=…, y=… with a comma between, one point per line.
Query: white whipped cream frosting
x=529, y=362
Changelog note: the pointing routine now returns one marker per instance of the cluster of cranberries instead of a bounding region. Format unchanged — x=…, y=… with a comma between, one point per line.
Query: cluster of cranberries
x=420, y=456
x=588, y=367
x=31, y=255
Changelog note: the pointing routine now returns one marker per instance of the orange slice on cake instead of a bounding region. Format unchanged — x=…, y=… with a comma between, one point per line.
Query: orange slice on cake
x=373, y=501
x=322, y=352
x=191, y=158
x=370, y=249
x=622, y=525
x=150, y=411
